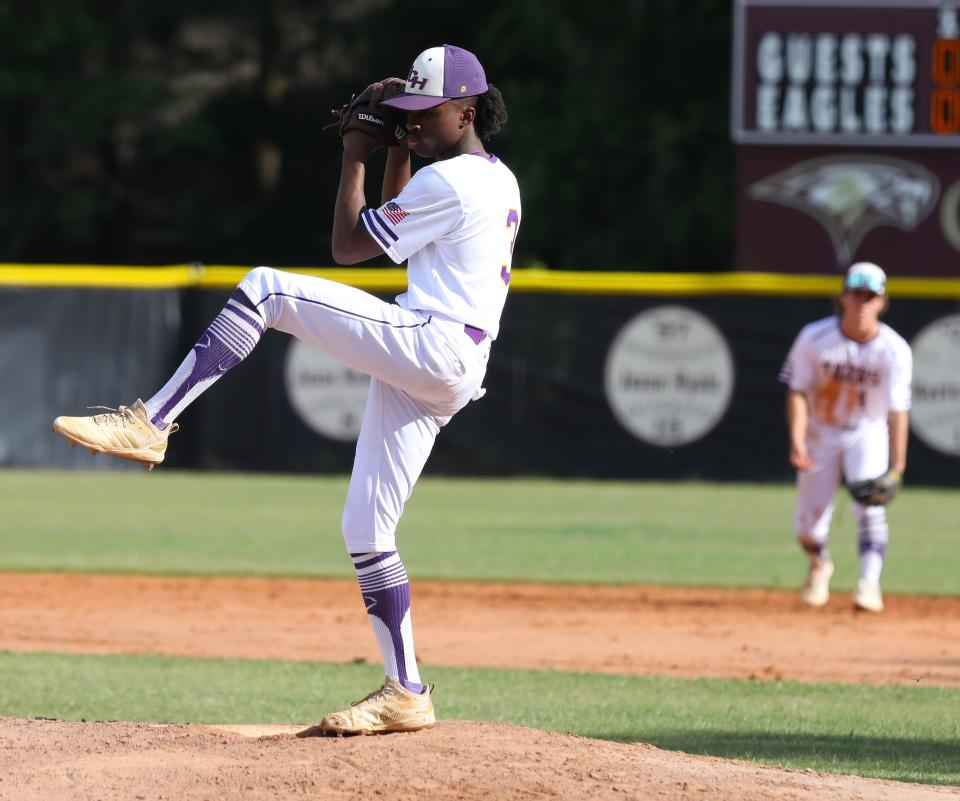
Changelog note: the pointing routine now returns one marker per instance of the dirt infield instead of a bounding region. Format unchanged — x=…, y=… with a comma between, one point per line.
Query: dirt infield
x=759, y=634
x=635, y=630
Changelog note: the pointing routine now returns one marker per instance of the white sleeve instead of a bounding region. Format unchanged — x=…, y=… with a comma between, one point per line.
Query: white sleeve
x=900, y=379
x=798, y=370
x=426, y=209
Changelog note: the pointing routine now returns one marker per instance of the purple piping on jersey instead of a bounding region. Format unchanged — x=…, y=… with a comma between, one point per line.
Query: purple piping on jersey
x=345, y=312
x=372, y=560
x=380, y=237
x=371, y=225
x=383, y=225
x=373, y=219
x=486, y=156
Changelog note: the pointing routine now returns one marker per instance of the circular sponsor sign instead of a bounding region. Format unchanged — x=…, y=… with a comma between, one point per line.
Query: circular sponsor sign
x=329, y=396
x=669, y=376
x=935, y=412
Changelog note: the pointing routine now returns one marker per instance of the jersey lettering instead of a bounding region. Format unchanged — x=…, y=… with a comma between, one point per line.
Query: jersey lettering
x=847, y=373
x=513, y=218
x=848, y=383
x=834, y=402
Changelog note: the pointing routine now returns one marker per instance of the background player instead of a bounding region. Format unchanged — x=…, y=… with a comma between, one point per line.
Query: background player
x=847, y=414
x=456, y=221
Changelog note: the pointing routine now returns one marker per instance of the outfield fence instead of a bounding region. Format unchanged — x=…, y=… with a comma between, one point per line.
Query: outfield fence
x=594, y=374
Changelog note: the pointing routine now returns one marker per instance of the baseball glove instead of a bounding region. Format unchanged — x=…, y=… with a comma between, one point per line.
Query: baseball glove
x=364, y=113
x=877, y=491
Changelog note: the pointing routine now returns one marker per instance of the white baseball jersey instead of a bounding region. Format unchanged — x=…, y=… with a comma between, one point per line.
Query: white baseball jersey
x=849, y=383
x=456, y=221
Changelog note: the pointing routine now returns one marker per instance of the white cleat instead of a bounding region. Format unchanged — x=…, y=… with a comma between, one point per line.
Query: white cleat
x=125, y=432
x=868, y=597
x=816, y=589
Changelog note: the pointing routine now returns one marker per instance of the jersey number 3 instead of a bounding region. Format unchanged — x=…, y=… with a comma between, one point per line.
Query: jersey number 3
x=513, y=220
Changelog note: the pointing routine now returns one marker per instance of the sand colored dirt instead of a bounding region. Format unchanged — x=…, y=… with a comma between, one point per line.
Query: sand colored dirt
x=632, y=630
x=760, y=634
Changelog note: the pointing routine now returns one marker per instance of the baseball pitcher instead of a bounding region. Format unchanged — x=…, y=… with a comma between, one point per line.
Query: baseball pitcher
x=455, y=223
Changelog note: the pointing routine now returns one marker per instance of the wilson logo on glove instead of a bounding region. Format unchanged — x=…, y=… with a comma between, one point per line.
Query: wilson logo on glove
x=364, y=113
x=370, y=119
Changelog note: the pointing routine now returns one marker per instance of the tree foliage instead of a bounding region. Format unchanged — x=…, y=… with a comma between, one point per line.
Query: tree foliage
x=139, y=132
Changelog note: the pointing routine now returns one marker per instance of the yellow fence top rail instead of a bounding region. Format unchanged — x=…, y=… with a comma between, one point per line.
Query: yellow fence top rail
x=375, y=279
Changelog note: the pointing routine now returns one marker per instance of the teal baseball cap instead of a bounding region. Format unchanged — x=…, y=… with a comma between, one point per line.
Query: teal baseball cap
x=866, y=275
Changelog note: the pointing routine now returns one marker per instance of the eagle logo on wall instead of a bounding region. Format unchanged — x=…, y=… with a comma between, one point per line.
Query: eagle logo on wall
x=851, y=195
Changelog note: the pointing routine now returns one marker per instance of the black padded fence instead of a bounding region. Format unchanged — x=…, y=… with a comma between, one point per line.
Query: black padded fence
x=579, y=385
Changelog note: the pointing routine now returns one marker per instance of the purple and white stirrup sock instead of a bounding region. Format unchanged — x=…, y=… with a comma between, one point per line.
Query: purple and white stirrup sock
x=228, y=341
x=386, y=593
x=873, y=535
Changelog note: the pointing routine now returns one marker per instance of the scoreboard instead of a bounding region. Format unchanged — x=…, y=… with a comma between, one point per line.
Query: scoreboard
x=862, y=73
x=846, y=119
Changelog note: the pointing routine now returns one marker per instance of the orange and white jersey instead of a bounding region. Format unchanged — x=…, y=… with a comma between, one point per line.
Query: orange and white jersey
x=848, y=383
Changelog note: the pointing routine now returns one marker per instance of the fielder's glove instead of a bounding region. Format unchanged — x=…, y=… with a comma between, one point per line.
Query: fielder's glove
x=877, y=491
x=364, y=113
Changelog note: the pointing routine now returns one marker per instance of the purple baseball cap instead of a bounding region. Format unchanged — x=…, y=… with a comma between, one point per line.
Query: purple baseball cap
x=440, y=74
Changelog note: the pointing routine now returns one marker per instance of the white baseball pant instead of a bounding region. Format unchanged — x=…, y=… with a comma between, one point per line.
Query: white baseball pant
x=858, y=454
x=424, y=369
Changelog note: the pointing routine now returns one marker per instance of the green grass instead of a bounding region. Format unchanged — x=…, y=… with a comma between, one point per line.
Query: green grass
x=691, y=534
x=901, y=733
x=525, y=529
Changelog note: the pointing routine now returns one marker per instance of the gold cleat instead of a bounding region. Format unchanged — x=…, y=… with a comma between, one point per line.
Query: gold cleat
x=392, y=708
x=126, y=433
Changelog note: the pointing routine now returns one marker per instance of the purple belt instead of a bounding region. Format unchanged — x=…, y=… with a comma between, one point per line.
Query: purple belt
x=476, y=334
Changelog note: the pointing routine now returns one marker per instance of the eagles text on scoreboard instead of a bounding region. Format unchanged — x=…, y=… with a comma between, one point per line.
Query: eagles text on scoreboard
x=847, y=72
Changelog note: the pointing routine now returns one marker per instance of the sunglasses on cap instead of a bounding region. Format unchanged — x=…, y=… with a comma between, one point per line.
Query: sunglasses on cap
x=865, y=282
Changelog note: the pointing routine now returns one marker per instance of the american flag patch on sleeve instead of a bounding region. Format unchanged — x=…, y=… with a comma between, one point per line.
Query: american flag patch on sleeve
x=393, y=212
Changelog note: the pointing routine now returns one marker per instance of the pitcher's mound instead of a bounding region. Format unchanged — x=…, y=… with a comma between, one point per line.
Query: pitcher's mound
x=42, y=759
